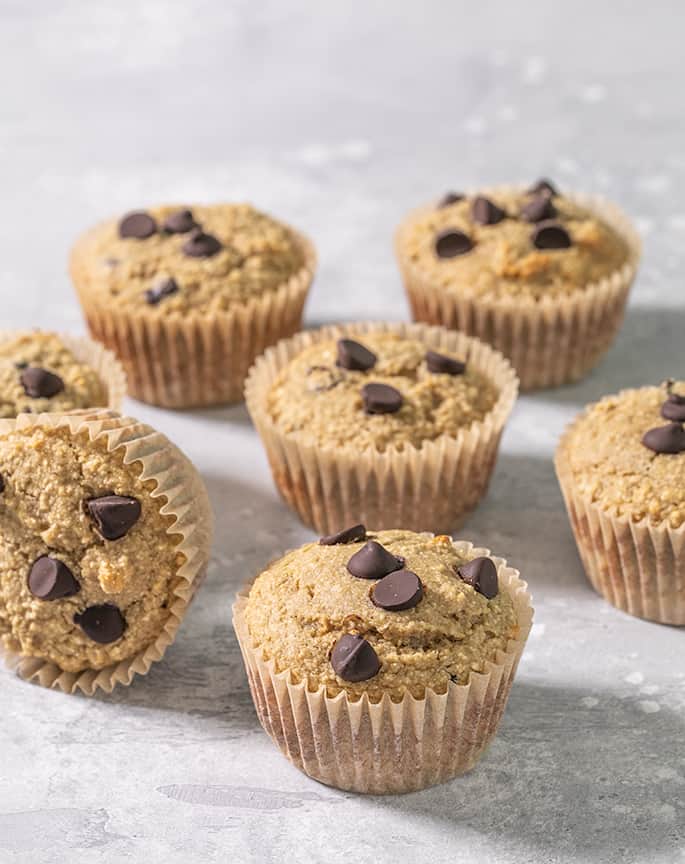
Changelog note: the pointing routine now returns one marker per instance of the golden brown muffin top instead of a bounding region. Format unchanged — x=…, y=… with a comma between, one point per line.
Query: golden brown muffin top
x=626, y=453
x=171, y=260
x=509, y=243
x=39, y=373
x=377, y=391
x=309, y=614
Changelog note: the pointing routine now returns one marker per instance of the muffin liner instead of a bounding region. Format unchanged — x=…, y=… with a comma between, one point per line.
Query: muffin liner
x=638, y=567
x=550, y=342
x=431, y=488
x=100, y=360
x=386, y=747
x=195, y=360
x=180, y=486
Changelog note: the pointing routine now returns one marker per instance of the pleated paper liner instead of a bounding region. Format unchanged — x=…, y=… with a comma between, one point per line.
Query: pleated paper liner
x=182, y=495
x=431, y=488
x=177, y=361
x=386, y=747
x=638, y=567
x=550, y=342
x=100, y=360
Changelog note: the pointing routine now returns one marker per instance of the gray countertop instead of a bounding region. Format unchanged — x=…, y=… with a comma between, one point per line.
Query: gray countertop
x=339, y=118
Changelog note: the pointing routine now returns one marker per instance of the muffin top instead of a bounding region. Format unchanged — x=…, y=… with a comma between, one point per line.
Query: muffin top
x=87, y=567
x=627, y=454
x=173, y=260
x=517, y=244
x=378, y=391
x=39, y=373
x=386, y=612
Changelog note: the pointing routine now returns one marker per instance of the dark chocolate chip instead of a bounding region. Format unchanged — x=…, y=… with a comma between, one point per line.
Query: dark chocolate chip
x=138, y=225
x=161, y=289
x=544, y=186
x=450, y=198
x=397, y=591
x=201, y=245
x=450, y=243
x=373, y=561
x=674, y=407
x=538, y=209
x=354, y=355
x=481, y=574
x=381, y=399
x=354, y=659
x=665, y=439
x=486, y=212
x=21, y=364
x=114, y=515
x=347, y=535
x=179, y=222
x=51, y=579
x=102, y=624
x=550, y=235
x=440, y=364
x=40, y=384
x=2, y=484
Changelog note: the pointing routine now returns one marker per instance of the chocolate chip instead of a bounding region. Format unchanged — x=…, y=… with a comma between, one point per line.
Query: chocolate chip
x=179, y=222
x=486, y=212
x=397, y=591
x=550, y=235
x=354, y=355
x=138, y=225
x=2, y=484
x=347, y=535
x=102, y=624
x=114, y=515
x=538, y=209
x=544, y=186
x=21, y=364
x=665, y=439
x=40, y=384
x=354, y=659
x=51, y=579
x=450, y=198
x=440, y=364
x=161, y=289
x=201, y=245
x=481, y=574
x=450, y=243
x=381, y=399
x=373, y=561
x=674, y=407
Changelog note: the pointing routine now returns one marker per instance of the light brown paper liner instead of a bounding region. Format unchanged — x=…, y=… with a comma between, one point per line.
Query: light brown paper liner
x=196, y=360
x=431, y=488
x=103, y=362
x=185, y=496
x=550, y=342
x=638, y=567
x=386, y=747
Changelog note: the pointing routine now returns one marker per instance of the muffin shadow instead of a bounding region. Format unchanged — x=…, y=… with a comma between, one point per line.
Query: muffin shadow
x=568, y=777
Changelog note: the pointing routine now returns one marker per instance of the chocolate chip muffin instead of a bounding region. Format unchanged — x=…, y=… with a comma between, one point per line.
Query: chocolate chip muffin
x=40, y=372
x=187, y=298
x=621, y=467
x=362, y=621
x=97, y=556
x=542, y=276
x=392, y=423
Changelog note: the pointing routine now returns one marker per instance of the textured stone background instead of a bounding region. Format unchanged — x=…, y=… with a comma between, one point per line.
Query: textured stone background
x=339, y=117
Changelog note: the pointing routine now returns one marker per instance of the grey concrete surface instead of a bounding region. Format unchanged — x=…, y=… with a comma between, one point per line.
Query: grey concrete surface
x=339, y=117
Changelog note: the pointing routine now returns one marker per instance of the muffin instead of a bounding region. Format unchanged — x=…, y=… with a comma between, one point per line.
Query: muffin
x=382, y=661
x=621, y=467
x=188, y=298
x=394, y=424
x=104, y=535
x=541, y=276
x=42, y=372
